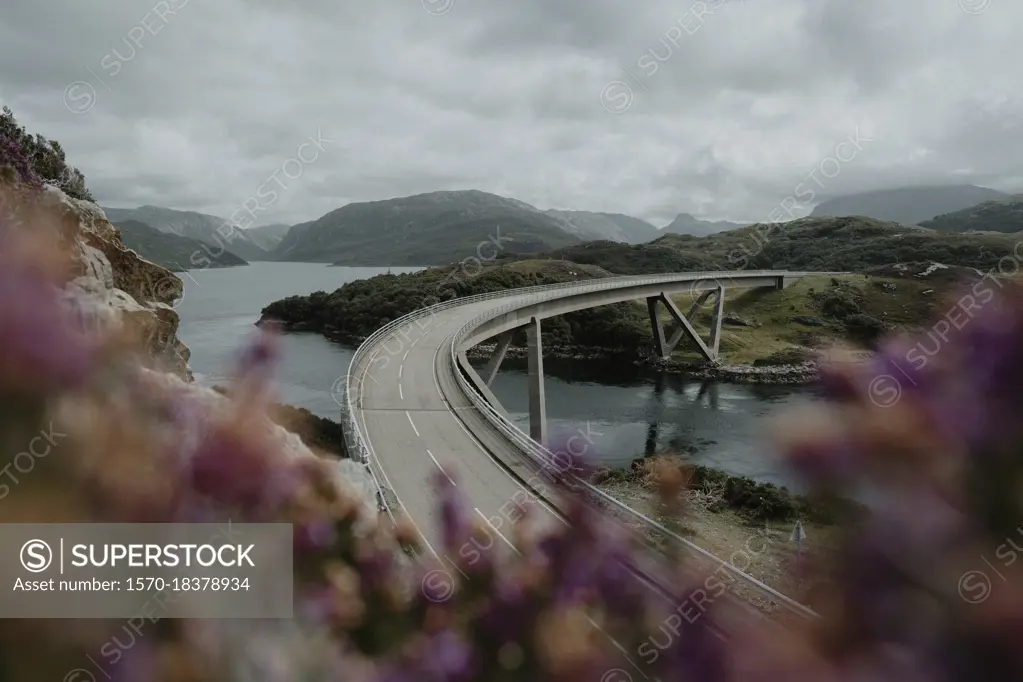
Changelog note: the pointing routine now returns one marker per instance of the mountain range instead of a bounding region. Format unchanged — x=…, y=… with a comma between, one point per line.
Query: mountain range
x=172, y=251
x=616, y=227
x=908, y=205
x=267, y=237
x=684, y=223
x=198, y=226
x=439, y=228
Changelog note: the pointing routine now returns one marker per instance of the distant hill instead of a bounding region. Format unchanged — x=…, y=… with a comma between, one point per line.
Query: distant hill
x=612, y=226
x=1001, y=215
x=267, y=237
x=684, y=223
x=851, y=243
x=663, y=255
x=193, y=225
x=425, y=229
x=172, y=251
x=908, y=205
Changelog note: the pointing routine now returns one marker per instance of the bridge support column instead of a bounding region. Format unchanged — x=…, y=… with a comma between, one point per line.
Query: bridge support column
x=685, y=328
x=661, y=347
x=537, y=397
x=715, y=325
x=494, y=363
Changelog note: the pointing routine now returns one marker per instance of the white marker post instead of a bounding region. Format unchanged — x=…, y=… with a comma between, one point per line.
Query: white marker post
x=797, y=536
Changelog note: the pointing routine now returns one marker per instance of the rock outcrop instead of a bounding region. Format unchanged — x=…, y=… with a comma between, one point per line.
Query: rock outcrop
x=113, y=285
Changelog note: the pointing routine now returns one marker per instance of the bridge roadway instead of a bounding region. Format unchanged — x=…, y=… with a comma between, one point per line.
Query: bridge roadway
x=421, y=425
x=417, y=422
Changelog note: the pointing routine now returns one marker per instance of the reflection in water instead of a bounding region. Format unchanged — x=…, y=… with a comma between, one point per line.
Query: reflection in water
x=641, y=413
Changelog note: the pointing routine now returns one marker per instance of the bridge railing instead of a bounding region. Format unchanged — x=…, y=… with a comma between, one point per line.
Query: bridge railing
x=361, y=448
x=358, y=444
x=546, y=460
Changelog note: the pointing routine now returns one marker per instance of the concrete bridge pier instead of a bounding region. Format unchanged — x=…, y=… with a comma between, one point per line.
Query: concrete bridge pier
x=537, y=396
x=494, y=363
x=664, y=347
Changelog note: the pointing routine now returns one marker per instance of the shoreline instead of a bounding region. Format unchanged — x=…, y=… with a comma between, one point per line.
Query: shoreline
x=799, y=374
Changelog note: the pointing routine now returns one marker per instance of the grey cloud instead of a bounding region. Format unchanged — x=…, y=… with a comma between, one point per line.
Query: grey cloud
x=507, y=98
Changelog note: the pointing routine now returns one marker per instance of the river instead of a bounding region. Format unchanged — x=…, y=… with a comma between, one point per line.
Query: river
x=627, y=413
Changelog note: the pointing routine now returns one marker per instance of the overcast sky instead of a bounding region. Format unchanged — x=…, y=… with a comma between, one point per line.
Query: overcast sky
x=716, y=108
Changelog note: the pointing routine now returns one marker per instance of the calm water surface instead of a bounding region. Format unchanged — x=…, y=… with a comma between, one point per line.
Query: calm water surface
x=629, y=414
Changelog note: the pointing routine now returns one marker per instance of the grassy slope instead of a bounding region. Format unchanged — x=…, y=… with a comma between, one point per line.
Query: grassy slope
x=904, y=307
x=1003, y=215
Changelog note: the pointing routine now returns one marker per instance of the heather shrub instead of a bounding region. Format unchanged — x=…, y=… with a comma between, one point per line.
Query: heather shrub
x=36, y=159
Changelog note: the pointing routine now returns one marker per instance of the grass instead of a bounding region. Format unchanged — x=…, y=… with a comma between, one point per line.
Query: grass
x=899, y=303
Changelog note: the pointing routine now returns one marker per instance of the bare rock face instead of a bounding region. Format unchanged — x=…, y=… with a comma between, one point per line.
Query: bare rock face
x=116, y=286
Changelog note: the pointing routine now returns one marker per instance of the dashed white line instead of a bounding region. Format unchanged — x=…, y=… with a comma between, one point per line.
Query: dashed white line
x=403, y=358
x=441, y=468
x=401, y=393
x=411, y=422
x=493, y=528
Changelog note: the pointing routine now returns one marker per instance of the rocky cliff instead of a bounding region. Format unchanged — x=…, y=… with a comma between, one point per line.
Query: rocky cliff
x=114, y=287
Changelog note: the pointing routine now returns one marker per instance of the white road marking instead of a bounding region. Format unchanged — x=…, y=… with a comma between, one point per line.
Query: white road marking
x=455, y=566
x=411, y=422
x=401, y=394
x=514, y=480
x=493, y=528
x=403, y=358
x=379, y=464
x=401, y=368
x=619, y=647
x=441, y=468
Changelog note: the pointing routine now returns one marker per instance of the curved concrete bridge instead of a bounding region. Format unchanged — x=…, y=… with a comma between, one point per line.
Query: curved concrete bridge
x=416, y=409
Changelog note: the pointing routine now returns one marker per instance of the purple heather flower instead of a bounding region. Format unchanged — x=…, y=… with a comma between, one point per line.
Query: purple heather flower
x=230, y=469
x=448, y=657
x=314, y=536
x=260, y=358
x=40, y=344
x=11, y=153
x=136, y=662
x=454, y=513
x=693, y=646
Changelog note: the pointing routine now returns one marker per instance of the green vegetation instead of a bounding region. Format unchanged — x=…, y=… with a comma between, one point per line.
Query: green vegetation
x=840, y=244
x=762, y=327
x=36, y=158
x=907, y=205
x=172, y=251
x=753, y=500
x=1001, y=215
x=359, y=308
x=813, y=313
x=828, y=244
